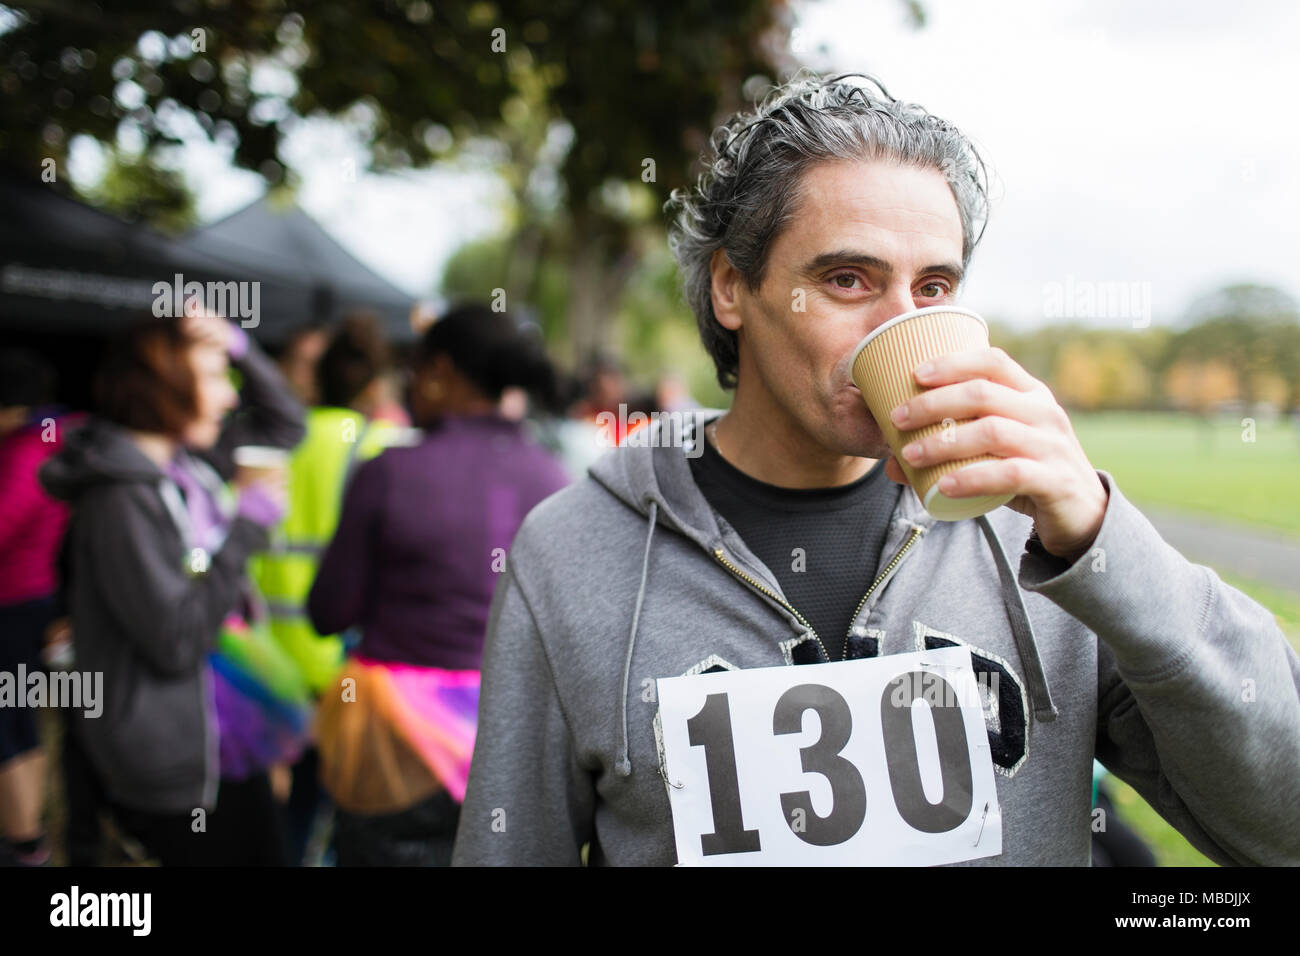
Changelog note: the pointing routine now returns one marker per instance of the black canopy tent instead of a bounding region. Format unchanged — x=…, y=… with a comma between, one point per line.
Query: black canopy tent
x=70, y=275
x=284, y=238
x=65, y=266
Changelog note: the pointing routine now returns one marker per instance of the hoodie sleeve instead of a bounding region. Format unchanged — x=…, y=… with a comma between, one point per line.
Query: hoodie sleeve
x=528, y=802
x=268, y=413
x=127, y=544
x=1197, y=688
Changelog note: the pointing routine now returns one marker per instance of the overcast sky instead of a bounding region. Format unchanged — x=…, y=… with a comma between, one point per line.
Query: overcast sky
x=1137, y=142
x=1152, y=144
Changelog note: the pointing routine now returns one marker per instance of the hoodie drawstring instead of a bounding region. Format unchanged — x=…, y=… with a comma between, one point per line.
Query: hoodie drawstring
x=624, y=764
x=1040, y=695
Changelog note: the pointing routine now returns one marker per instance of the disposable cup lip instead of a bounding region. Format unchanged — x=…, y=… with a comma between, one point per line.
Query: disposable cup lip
x=898, y=319
x=260, y=456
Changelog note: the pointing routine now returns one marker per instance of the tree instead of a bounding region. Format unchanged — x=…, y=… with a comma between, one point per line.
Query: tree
x=137, y=189
x=1242, y=326
x=1101, y=370
x=638, y=86
x=1200, y=386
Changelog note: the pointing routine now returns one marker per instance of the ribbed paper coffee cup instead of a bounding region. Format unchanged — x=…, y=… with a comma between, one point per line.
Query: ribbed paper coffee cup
x=883, y=369
x=261, y=458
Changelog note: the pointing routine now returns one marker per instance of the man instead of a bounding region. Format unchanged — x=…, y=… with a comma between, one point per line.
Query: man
x=830, y=210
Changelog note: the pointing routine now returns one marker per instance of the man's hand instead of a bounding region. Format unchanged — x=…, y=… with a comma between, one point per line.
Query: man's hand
x=1018, y=419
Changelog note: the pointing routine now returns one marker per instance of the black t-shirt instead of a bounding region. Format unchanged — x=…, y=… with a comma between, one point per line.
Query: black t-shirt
x=822, y=544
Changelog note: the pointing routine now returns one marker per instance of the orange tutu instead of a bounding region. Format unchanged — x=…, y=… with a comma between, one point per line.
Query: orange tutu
x=392, y=735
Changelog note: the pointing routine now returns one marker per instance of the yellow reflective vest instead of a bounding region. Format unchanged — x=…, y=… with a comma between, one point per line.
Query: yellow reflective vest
x=337, y=440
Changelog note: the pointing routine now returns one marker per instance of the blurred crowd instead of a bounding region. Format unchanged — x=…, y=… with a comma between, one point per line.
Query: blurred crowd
x=281, y=567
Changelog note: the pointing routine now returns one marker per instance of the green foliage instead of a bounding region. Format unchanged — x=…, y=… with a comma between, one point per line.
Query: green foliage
x=138, y=189
x=477, y=268
x=412, y=77
x=636, y=88
x=1251, y=330
x=657, y=330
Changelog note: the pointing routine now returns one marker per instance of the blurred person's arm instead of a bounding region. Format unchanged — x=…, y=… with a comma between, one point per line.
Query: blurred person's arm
x=347, y=568
x=269, y=413
x=126, y=540
x=529, y=802
x=1197, y=688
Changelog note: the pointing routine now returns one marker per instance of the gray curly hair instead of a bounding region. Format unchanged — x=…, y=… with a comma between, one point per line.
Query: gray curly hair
x=744, y=198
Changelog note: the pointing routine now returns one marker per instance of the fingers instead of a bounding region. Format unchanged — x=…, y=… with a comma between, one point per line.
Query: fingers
x=993, y=364
x=975, y=398
x=990, y=435
x=1010, y=476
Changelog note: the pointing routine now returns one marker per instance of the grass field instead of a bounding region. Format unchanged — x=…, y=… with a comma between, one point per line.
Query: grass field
x=1181, y=462
x=1284, y=604
x=1168, y=845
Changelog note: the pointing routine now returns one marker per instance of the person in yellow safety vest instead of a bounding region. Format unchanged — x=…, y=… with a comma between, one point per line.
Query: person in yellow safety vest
x=340, y=435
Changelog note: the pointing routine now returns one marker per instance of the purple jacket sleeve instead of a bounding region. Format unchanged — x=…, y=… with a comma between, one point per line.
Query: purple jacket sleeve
x=338, y=594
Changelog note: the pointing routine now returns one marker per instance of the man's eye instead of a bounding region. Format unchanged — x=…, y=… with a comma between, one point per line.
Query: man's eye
x=844, y=275
x=942, y=289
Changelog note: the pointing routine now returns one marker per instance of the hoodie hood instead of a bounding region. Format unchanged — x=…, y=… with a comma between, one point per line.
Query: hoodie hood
x=94, y=453
x=655, y=480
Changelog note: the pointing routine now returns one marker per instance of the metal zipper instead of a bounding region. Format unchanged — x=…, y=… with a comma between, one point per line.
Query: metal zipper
x=917, y=531
x=721, y=557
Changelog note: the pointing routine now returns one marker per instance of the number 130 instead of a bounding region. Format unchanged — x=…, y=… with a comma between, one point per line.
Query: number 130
x=711, y=729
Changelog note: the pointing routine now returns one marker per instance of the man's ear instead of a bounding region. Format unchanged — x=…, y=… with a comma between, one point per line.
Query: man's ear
x=726, y=286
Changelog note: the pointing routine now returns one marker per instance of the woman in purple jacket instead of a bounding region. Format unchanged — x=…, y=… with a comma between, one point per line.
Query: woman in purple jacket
x=420, y=545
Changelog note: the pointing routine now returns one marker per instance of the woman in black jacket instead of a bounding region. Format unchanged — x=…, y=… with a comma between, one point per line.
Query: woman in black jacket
x=157, y=547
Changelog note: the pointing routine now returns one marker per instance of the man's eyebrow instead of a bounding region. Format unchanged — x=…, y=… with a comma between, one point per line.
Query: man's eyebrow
x=851, y=257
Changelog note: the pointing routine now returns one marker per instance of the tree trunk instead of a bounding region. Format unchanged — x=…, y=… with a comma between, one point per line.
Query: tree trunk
x=601, y=261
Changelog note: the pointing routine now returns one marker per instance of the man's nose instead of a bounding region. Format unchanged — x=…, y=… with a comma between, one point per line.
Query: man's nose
x=896, y=301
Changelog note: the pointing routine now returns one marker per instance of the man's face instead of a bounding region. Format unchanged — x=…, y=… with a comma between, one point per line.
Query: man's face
x=868, y=241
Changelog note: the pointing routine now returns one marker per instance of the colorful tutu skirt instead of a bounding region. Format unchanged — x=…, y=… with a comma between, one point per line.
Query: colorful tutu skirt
x=392, y=735
x=264, y=709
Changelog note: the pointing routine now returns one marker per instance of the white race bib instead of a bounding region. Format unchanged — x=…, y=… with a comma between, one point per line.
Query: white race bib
x=879, y=761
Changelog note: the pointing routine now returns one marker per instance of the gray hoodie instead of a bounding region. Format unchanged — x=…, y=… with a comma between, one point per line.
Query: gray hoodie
x=1181, y=685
